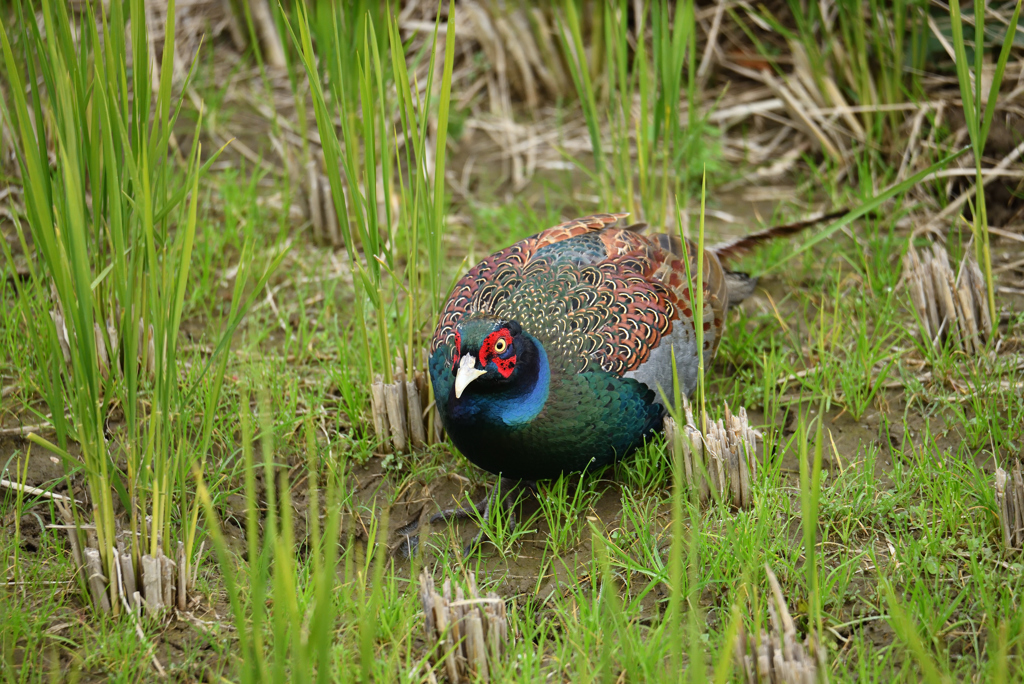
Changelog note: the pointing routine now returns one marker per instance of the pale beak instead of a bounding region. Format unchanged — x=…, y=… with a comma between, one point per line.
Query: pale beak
x=468, y=372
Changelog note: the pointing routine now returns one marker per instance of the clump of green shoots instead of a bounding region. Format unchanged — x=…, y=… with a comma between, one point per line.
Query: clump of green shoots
x=565, y=503
x=113, y=236
x=385, y=171
x=499, y=524
x=318, y=609
x=979, y=122
x=810, y=496
x=650, y=153
x=304, y=610
x=854, y=357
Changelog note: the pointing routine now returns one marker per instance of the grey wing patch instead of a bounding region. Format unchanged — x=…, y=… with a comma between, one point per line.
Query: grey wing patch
x=656, y=372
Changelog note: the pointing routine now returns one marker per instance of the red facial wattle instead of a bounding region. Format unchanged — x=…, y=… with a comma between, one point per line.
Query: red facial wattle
x=496, y=349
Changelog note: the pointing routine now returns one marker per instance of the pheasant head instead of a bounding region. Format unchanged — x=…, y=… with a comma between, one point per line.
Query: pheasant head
x=486, y=355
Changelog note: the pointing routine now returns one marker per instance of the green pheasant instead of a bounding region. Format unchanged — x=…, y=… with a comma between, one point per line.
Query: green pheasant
x=554, y=355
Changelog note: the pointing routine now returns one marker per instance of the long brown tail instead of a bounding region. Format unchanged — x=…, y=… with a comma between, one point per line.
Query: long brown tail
x=743, y=245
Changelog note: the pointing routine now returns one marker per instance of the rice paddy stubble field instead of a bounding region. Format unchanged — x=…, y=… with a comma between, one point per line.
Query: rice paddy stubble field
x=282, y=215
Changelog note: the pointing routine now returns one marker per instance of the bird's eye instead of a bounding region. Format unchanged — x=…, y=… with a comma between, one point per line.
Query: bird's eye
x=500, y=346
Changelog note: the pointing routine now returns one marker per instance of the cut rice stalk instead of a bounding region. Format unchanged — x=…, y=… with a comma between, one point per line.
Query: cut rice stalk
x=467, y=633
x=1009, y=488
x=777, y=656
x=723, y=460
x=949, y=309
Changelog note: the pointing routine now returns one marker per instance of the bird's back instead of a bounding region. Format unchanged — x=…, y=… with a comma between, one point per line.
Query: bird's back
x=599, y=298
